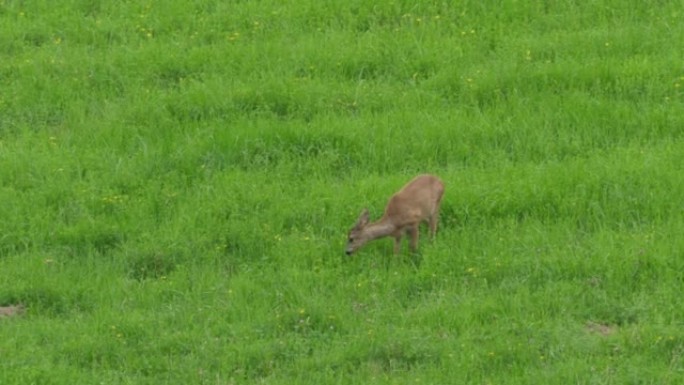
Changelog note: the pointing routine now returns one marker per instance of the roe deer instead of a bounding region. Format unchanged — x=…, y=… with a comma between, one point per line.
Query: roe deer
x=416, y=202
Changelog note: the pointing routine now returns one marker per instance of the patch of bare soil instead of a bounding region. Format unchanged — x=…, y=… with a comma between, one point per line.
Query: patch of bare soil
x=11, y=311
x=600, y=328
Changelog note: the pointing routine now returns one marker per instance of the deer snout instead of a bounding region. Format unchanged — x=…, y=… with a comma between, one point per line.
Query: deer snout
x=348, y=252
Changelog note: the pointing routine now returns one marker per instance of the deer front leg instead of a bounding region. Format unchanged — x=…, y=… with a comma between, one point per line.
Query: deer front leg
x=397, y=243
x=413, y=234
x=432, y=223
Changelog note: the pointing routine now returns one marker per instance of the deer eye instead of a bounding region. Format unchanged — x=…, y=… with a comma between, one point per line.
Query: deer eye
x=351, y=240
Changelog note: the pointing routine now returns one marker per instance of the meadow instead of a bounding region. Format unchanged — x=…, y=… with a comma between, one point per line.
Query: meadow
x=177, y=179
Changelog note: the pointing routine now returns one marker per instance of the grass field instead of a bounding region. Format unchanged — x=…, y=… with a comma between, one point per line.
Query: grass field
x=177, y=180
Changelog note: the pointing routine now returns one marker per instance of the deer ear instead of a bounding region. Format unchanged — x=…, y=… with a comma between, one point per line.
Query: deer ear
x=363, y=218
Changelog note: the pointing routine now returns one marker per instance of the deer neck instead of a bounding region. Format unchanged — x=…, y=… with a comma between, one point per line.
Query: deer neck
x=379, y=229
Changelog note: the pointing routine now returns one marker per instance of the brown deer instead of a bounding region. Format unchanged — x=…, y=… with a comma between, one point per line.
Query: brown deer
x=416, y=202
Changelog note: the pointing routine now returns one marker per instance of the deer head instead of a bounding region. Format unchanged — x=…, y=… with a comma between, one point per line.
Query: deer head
x=357, y=236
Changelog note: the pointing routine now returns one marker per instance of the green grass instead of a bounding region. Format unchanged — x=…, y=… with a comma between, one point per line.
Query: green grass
x=177, y=180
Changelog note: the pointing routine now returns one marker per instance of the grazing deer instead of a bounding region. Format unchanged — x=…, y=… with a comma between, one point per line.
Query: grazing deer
x=416, y=202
